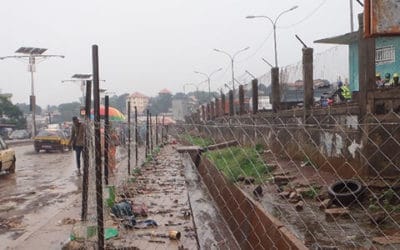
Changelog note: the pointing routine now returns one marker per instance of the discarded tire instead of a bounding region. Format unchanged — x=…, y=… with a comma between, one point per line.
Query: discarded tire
x=345, y=192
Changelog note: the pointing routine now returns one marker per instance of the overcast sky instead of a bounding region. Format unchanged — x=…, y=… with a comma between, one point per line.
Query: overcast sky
x=149, y=45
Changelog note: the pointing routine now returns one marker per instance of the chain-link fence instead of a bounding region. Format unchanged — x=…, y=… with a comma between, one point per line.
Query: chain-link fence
x=330, y=176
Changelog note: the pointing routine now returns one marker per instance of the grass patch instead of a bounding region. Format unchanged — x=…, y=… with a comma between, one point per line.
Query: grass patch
x=312, y=192
x=237, y=161
x=198, y=141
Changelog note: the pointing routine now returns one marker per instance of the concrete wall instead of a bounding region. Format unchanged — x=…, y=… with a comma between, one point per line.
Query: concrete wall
x=252, y=226
x=335, y=139
x=332, y=142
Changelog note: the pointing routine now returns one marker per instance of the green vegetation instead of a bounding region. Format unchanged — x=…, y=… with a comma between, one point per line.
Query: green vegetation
x=10, y=113
x=260, y=148
x=312, y=192
x=236, y=161
x=137, y=171
x=384, y=203
x=198, y=141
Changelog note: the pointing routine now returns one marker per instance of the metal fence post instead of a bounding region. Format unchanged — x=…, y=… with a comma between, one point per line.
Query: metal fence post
x=99, y=188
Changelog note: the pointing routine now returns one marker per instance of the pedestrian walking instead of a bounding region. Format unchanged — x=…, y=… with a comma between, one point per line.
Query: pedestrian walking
x=77, y=141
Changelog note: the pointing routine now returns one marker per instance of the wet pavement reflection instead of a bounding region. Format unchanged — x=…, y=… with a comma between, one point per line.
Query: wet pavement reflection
x=42, y=184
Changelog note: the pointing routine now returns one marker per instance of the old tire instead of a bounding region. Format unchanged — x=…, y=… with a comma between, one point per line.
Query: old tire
x=345, y=192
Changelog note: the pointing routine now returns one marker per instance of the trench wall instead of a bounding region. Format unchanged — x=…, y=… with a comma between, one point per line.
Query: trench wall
x=252, y=226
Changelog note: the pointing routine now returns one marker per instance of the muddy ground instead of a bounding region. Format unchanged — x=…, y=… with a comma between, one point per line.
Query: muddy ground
x=169, y=191
x=310, y=223
x=43, y=185
x=40, y=204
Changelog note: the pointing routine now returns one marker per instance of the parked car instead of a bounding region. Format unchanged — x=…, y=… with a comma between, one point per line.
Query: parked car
x=19, y=134
x=7, y=157
x=51, y=139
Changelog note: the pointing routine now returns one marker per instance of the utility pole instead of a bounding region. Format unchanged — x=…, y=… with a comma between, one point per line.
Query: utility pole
x=32, y=54
x=351, y=16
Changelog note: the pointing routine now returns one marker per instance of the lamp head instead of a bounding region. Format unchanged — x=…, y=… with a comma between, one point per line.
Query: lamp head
x=294, y=7
x=250, y=17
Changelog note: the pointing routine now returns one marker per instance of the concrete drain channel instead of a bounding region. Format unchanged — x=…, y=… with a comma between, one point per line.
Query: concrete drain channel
x=228, y=226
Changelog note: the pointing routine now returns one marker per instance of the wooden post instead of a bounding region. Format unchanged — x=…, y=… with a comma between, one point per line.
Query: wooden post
x=308, y=79
x=203, y=113
x=231, y=110
x=97, y=145
x=366, y=65
x=212, y=108
x=241, y=99
x=223, y=103
x=136, y=139
x=156, y=130
x=254, y=87
x=208, y=111
x=276, y=95
x=217, y=108
x=85, y=181
x=151, y=134
x=147, y=134
x=129, y=137
x=162, y=131
x=106, y=137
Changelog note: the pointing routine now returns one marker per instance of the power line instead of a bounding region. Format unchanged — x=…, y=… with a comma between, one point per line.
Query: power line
x=306, y=17
x=258, y=48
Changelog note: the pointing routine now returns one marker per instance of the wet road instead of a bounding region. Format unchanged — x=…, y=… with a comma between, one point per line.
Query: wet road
x=42, y=185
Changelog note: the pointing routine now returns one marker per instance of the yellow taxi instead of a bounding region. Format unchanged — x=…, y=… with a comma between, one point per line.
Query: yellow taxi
x=51, y=139
x=7, y=157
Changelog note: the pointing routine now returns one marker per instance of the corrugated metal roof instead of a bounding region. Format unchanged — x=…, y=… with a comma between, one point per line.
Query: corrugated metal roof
x=346, y=39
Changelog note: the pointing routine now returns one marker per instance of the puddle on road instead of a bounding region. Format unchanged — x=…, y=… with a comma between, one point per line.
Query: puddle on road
x=40, y=187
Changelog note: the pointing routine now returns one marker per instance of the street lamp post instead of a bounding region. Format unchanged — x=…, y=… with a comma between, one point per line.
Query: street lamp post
x=82, y=79
x=208, y=76
x=32, y=54
x=273, y=22
x=197, y=89
x=232, y=57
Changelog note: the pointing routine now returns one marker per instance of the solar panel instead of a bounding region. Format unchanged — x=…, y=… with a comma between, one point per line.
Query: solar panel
x=31, y=50
x=82, y=76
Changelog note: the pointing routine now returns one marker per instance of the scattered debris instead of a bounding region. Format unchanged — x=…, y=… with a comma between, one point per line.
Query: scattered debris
x=145, y=224
x=249, y=180
x=157, y=241
x=122, y=209
x=332, y=213
x=174, y=235
x=378, y=218
x=140, y=210
x=110, y=233
x=325, y=204
x=282, y=180
x=258, y=191
x=68, y=221
x=240, y=178
x=387, y=240
x=299, y=205
x=284, y=194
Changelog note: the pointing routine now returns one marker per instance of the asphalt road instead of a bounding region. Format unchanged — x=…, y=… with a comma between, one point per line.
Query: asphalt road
x=42, y=186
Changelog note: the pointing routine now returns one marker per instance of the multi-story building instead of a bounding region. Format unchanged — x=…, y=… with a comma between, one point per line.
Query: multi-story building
x=140, y=101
